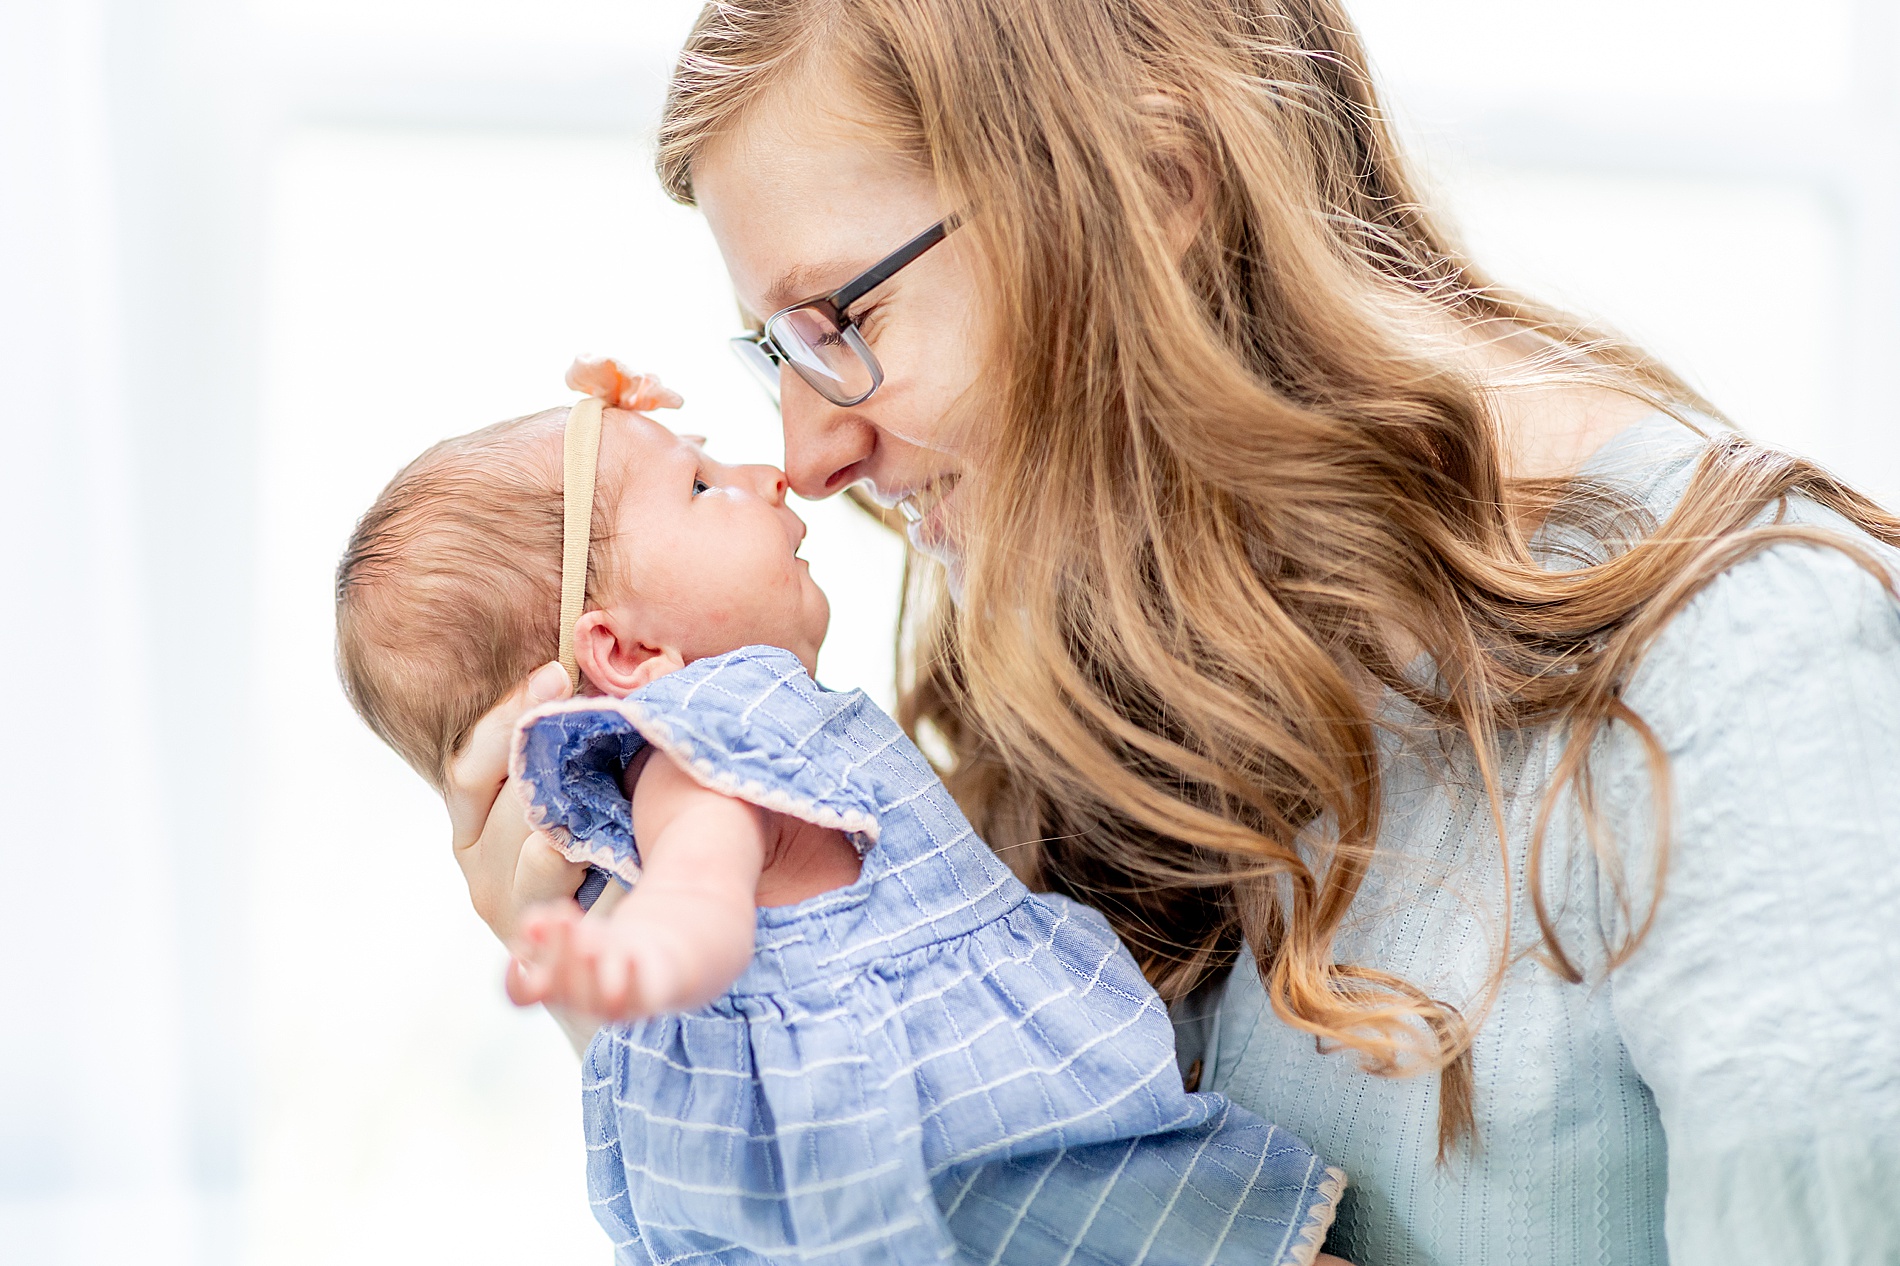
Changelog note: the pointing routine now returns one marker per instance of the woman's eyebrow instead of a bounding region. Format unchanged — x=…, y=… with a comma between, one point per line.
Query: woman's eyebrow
x=801, y=281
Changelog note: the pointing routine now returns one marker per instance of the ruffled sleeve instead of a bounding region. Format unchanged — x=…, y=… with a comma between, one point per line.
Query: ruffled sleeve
x=570, y=760
x=751, y=724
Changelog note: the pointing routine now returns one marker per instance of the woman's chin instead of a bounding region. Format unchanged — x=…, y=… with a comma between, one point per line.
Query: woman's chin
x=939, y=549
x=953, y=579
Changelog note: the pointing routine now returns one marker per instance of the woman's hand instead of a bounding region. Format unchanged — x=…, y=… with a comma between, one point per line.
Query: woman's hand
x=508, y=869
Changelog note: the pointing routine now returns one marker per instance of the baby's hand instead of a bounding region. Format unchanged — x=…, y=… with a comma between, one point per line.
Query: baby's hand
x=612, y=970
x=607, y=378
x=681, y=936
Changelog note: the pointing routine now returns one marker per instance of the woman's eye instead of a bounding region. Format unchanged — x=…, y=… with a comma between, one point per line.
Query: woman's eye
x=699, y=485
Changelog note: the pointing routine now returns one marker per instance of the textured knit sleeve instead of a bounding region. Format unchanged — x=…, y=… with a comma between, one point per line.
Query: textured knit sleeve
x=1763, y=1008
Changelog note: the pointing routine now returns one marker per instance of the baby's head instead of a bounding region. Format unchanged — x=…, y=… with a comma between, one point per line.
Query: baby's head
x=449, y=593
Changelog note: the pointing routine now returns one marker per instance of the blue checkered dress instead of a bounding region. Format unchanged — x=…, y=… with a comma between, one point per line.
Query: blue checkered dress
x=932, y=1064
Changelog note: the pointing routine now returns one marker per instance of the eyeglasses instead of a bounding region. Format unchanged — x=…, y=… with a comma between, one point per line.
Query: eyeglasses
x=818, y=338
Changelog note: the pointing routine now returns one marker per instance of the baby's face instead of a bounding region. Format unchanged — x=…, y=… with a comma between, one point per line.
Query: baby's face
x=707, y=554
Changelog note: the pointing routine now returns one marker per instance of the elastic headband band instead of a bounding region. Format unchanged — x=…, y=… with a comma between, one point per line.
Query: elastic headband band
x=580, y=458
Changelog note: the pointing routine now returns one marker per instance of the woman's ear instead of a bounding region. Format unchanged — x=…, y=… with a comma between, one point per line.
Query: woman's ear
x=1178, y=161
x=613, y=658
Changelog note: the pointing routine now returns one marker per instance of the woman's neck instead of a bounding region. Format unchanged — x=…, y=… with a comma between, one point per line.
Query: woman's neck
x=1547, y=429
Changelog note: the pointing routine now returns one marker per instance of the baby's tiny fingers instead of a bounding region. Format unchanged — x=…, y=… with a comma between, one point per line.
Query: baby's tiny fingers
x=578, y=977
x=614, y=976
x=519, y=982
x=549, y=922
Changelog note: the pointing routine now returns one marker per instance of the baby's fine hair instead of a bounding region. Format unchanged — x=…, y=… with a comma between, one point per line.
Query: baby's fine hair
x=449, y=592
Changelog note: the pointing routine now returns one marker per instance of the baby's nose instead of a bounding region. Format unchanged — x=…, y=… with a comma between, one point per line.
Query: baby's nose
x=770, y=481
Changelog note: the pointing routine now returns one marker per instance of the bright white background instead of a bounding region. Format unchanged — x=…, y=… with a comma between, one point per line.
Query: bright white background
x=256, y=253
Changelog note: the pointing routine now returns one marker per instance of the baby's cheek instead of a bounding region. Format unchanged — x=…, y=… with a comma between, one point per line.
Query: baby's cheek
x=738, y=618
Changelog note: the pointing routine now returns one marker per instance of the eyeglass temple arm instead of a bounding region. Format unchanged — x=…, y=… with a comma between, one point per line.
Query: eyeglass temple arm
x=882, y=271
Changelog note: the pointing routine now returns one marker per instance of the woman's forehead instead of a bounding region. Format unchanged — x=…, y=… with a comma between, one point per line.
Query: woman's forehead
x=797, y=213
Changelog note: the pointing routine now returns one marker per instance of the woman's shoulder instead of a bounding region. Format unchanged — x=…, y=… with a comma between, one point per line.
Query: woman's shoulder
x=1775, y=694
x=1803, y=624
x=1781, y=619
x=1790, y=604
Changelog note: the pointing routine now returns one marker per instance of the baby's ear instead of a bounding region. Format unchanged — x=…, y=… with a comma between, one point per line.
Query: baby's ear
x=657, y=666
x=612, y=656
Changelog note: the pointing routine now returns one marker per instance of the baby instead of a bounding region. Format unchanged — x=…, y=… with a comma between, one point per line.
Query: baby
x=838, y=1027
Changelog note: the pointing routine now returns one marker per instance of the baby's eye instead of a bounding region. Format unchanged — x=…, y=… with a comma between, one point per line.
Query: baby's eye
x=699, y=485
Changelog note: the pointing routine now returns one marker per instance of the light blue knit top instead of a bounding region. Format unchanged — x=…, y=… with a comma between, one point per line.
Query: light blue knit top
x=1731, y=1095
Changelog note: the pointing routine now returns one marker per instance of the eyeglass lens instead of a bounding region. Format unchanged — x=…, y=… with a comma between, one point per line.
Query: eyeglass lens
x=835, y=362
x=759, y=362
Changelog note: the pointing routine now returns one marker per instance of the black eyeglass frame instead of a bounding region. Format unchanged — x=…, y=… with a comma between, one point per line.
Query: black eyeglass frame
x=834, y=308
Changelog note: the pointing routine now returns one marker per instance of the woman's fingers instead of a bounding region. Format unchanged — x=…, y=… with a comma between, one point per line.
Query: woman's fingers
x=508, y=870
x=486, y=818
x=543, y=873
x=476, y=774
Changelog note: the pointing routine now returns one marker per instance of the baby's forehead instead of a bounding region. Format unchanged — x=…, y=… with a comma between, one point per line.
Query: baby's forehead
x=641, y=457
x=641, y=423
x=642, y=437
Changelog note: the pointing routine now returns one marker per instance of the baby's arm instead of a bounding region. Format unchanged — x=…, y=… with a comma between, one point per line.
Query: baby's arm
x=684, y=933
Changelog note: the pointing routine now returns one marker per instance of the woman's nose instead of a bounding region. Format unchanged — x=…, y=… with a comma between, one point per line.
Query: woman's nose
x=825, y=446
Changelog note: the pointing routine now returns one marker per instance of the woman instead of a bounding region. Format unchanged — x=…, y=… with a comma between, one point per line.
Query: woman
x=1508, y=770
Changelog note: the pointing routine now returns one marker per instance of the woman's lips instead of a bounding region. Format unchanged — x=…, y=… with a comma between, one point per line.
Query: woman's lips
x=917, y=504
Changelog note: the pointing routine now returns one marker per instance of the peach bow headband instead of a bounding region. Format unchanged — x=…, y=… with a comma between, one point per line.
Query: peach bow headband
x=606, y=382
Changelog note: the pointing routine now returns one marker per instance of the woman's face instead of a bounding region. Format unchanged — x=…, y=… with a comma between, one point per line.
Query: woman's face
x=801, y=201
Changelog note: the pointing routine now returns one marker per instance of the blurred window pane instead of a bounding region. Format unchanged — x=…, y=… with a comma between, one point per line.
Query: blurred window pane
x=1737, y=286
x=1706, y=50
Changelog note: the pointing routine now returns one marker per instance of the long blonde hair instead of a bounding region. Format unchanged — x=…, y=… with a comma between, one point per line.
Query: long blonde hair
x=1157, y=692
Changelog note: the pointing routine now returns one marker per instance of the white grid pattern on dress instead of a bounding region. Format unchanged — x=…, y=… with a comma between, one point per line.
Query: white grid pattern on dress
x=929, y=1062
